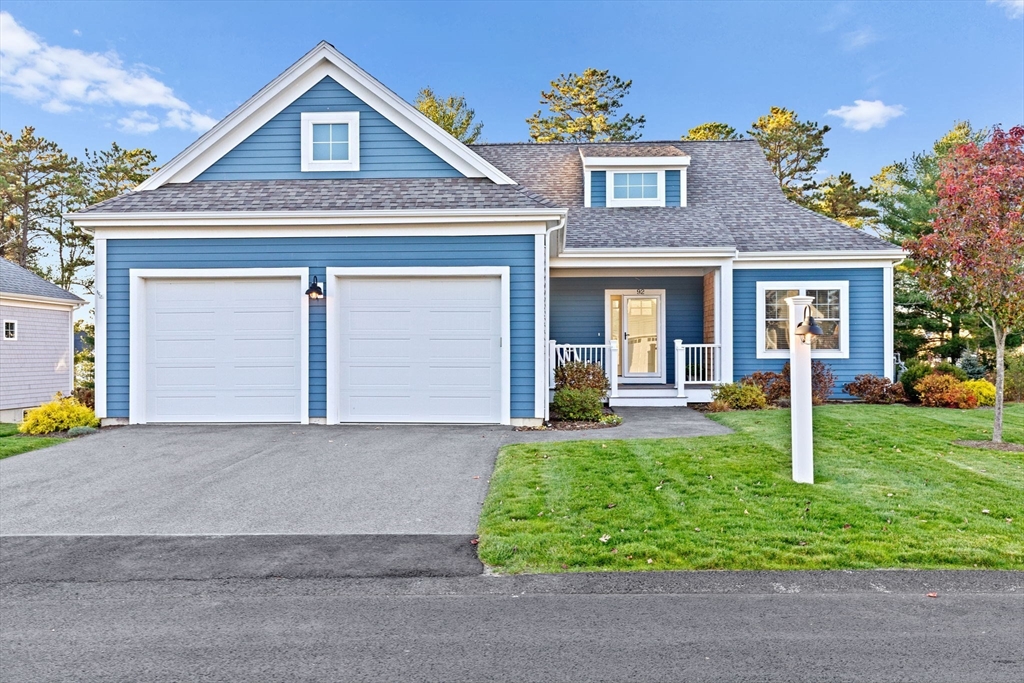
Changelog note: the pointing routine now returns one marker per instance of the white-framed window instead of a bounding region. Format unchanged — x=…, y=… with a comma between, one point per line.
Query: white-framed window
x=635, y=187
x=831, y=310
x=11, y=330
x=330, y=141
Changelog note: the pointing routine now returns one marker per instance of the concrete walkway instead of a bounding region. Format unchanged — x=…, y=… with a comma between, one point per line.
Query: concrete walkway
x=279, y=479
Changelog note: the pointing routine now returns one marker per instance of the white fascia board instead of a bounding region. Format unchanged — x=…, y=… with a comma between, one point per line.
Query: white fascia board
x=33, y=301
x=323, y=60
x=613, y=162
x=784, y=259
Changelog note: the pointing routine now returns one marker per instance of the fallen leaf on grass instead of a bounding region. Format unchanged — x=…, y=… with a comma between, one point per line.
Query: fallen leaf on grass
x=605, y=538
x=650, y=561
x=611, y=505
x=984, y=512
x=846, y=526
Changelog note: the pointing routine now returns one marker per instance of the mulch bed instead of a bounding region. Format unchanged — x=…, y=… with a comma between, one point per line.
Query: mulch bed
x=570, y=425
x=988, y=445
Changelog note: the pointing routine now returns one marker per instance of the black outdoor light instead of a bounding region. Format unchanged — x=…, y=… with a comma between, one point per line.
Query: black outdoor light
x=314, y=291
x=808, y=329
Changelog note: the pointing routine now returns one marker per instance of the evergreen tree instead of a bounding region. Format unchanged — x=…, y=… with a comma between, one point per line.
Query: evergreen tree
x=583, y=108
x=450, y=113
x=839, y=197
x=794, y=148
x=712, y=131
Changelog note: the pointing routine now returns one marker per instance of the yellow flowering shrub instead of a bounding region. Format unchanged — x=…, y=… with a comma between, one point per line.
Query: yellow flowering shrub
x=983, y=390
x=59, y=415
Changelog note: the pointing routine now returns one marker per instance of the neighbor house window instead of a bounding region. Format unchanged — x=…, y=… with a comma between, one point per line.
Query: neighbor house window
x=830, y=309
x=330, y=141
x=11, y=329
x=636, y=188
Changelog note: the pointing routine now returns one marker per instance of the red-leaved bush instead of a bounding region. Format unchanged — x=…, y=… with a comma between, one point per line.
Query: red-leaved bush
x=775, y=385
x=874, y=389
x=945, y=391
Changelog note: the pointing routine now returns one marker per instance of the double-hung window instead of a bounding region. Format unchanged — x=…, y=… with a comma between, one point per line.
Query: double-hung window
x=636, y=188
x=830, y=309
x=330, y=141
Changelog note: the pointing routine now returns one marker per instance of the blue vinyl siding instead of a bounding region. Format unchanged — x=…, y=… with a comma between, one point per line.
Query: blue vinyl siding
x=672, y=187
x=317, y=254
x=273, y=151
x=578, y=309
x=598, y=180
x=865, y=327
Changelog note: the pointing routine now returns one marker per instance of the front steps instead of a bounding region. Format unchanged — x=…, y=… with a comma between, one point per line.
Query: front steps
x=659, y=395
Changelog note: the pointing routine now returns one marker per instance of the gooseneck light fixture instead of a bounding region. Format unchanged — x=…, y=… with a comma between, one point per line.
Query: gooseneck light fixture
x=315, y=291
x=809, y=328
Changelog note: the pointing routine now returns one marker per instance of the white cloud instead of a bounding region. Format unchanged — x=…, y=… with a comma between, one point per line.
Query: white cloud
x=867, y=114
x=862, y=37
x=1014, y=8
x=63, y=79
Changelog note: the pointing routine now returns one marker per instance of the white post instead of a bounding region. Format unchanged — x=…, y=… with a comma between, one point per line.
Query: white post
x=680, y=369
x=801, y=420
x=551, y=363
x=613, y=367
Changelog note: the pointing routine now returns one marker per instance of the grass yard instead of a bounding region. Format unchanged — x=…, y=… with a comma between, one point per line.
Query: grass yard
x=891, y=491
x=12, y=443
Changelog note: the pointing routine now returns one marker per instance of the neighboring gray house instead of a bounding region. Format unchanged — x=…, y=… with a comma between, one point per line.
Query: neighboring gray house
x=36, y=342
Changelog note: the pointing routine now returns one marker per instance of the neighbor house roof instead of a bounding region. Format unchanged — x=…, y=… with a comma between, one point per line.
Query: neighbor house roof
x=357, y=194
x=732, y=197
x=15, y=280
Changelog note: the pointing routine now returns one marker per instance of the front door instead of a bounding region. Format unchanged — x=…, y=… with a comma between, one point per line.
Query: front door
x=636, y=320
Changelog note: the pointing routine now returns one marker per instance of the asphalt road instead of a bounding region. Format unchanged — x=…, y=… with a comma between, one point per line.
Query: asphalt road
x=722, y=626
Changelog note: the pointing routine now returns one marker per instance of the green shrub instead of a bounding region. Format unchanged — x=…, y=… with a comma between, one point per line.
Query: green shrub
x=578, y=404
x=1013, y=379
x=983, y=390
x=942, y=390
x=740, y=396
x=59, y=415
x=909, y=378
x=950, y=369
x=873, y=389
x=972, y=365
x=81, y=431
x=579, y=375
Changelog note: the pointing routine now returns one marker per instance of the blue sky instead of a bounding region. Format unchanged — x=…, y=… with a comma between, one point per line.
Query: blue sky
x=156, y=74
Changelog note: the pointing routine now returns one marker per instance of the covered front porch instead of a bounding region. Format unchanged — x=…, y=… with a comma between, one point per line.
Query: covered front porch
x=657, y=335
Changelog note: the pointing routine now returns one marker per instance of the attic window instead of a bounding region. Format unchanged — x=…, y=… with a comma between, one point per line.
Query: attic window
x=637, y=188
x=330, y=141
x=11, y=330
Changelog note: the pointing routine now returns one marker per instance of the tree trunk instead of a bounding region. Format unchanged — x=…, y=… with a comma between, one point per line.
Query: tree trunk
x=999, y=332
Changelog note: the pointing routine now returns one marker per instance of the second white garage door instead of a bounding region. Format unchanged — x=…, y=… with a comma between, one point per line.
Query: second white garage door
x=419, y=349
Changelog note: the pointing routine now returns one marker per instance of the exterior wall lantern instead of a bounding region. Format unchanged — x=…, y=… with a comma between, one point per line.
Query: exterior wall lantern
x=802, y=333
x=315, y=291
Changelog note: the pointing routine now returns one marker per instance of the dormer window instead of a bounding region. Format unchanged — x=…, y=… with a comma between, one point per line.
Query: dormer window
x=634, y=186
x=634, y=180
x=330, y=141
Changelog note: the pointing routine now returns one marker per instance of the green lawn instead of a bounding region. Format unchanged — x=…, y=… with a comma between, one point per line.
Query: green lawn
x=891, y=491
x=12, y=443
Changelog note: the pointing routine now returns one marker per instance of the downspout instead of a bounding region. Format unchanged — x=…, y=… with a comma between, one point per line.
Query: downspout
x=560, y=225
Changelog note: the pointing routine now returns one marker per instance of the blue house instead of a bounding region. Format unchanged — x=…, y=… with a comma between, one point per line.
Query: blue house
x=327, y=254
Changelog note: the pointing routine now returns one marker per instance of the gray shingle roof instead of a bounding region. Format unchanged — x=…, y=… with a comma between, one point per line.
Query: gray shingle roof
x=17, y=280
x=631, y=149
x=360, y=194
x=733, y=200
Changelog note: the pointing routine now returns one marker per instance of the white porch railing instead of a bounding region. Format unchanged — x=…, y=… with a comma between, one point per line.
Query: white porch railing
x=605, y=355
x=697, y=364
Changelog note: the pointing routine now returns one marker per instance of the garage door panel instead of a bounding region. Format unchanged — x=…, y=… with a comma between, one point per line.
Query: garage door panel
x=194, y=349
x=380, y=320
x=461, y=377
x=176, y=321
x=364, y=376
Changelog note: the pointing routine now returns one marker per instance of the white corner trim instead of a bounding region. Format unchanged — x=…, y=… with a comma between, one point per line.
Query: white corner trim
x=137, y=326
x=100, y=332
x=888, y=342
x=334, y=320
x=540, y=324
x=802, y=286
x=638, y=162
x=725, y=309
x=322, y=61
x=351, y=118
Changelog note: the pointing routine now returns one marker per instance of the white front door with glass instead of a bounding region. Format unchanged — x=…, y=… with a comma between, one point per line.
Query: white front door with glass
x=636, y=319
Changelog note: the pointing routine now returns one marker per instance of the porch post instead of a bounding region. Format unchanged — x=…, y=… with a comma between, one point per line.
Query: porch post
x=725, y=313
x=800, y=402
x=612, y=367
x=551, y=364
x=680, y=369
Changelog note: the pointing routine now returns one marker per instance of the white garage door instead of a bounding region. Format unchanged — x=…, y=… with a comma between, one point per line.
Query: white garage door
x=223, y=350
x=421, y=349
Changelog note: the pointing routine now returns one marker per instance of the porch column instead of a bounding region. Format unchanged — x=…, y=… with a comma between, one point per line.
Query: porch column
x=724, y=314
x=613, y=367
x=800, y=402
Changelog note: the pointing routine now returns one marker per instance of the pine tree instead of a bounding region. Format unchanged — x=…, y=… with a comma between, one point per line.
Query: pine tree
x=583, y=107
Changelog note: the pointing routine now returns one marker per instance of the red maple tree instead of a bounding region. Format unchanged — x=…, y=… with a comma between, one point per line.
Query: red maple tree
x=974, y=257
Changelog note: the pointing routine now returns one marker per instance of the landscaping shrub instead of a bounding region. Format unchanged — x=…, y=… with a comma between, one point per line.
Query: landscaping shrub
x=59, y=415
x=941, y=390
x=950, y=369
x=771, y=385
x=86, y=396
x=81, y=431
x=580, y=375
x=983, y=390
x=874, y=389
x=740, y=396
x=972, y=365
x=909, y=378
x=579, y=404
x=1013, y=380
x=718, y=406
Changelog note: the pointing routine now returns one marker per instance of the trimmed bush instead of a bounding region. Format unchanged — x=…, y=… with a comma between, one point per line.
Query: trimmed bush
x=950, y=369
x=59, y=415
x=740, y=396
x=983, y=390
x=909, y=378
x=580, y=375
x=941, y=390
x=579, y=404
x=775, y=385
x=874, y=389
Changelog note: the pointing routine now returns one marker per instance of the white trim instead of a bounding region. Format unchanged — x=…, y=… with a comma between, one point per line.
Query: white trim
x=662, y=338
x=323, y=60
x=351, y=118
x=71, y=358
x=33, y=301
x=100, y=331
x=887, y=322
x=586, y=187
x=784, y=259
x=333, y=320
x=725, y=309
x=640, y=162
x=540, y=319
x=802, y=286
x=688, y=271
x=5, y=337
x=137, y=326
x=609, y=189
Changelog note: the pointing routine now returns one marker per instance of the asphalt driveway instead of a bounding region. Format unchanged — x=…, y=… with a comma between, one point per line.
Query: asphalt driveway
x=277, y=479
